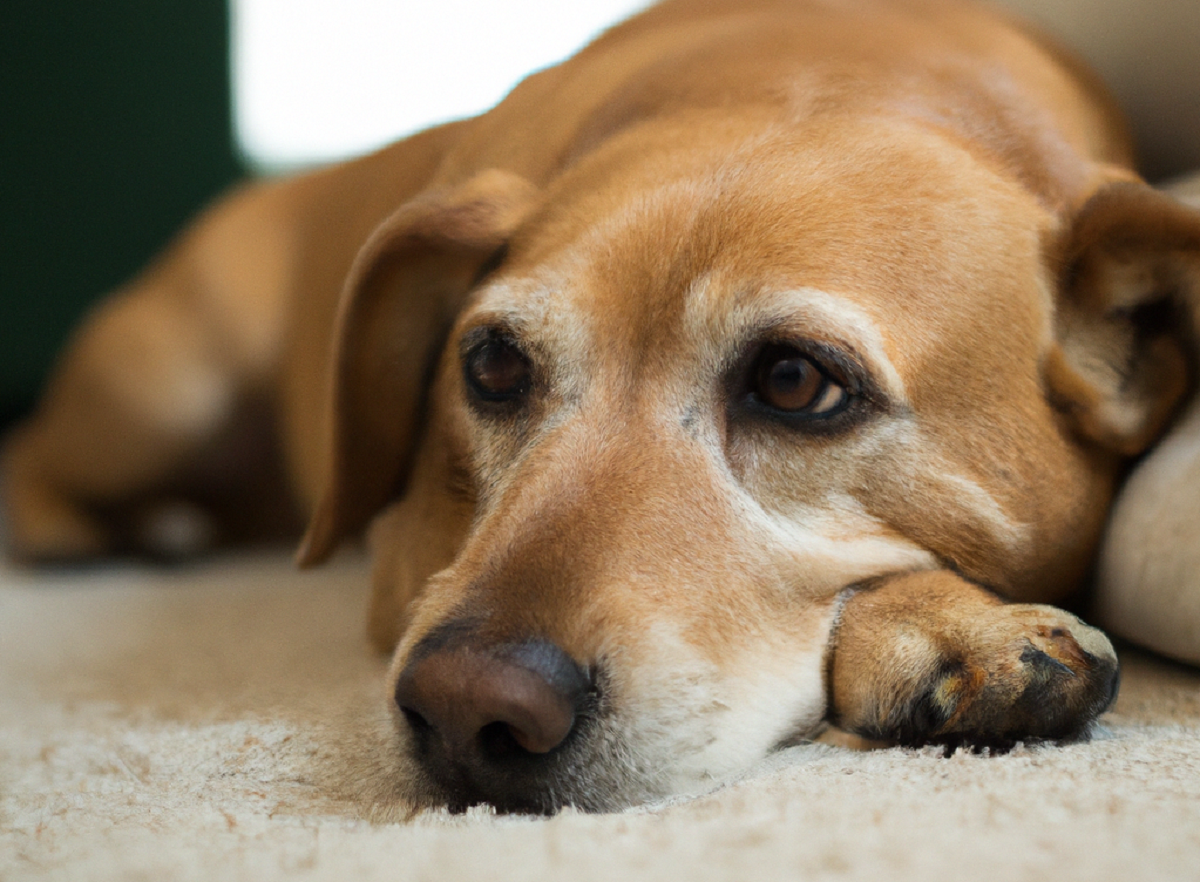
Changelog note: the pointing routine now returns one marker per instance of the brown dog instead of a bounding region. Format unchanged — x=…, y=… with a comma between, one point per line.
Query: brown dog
x=716, y=384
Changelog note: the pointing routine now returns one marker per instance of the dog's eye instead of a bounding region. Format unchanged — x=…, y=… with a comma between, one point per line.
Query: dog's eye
x=496, y=371
x=787, y=380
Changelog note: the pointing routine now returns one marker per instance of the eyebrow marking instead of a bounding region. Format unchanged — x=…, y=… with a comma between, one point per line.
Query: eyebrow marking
x=516, y=303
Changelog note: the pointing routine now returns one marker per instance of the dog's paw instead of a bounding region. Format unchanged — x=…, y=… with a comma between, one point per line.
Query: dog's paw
x=929, y=658
x=1026, y=672
x=38, y=525
x=41, y=525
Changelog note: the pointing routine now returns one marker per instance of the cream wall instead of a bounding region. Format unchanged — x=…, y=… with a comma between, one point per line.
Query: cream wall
x=1148, y=51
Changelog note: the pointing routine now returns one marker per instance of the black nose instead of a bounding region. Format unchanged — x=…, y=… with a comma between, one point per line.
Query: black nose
x=486, y=718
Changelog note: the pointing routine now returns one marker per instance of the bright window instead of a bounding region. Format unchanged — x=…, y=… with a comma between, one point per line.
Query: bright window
x=319, y=80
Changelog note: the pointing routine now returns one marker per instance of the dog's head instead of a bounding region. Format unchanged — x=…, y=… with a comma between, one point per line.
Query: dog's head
x=626, y=439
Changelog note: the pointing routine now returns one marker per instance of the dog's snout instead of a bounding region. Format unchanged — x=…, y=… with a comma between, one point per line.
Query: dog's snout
x=483, y=705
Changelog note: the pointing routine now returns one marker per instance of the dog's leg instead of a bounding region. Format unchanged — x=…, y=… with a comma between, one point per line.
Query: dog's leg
x=157, y=382
x=931, y=658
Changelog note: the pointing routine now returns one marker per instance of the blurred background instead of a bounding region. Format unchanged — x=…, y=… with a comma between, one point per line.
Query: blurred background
x=121, y=118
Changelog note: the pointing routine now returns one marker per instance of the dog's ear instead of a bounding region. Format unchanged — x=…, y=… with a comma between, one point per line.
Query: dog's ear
x=401, y=294
x=1126, y=322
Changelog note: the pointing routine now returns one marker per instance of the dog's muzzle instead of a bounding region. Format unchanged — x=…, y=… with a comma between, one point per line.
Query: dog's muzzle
x=491, y=723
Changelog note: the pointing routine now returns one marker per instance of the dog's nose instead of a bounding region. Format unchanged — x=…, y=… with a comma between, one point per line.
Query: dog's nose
x=488, y=703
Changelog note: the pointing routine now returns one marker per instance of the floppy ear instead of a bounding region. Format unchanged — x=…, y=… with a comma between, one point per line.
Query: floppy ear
x=402, y=293
x=1126, y=317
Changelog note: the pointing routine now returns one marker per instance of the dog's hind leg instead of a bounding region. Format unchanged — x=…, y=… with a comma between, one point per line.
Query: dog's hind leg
x=931, y=658
x=159, y=381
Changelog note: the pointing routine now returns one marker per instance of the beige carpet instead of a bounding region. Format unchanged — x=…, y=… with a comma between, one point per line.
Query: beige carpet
x=225, y=722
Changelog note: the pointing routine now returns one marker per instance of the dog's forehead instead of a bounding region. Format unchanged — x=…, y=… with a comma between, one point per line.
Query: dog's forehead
x=884, y=245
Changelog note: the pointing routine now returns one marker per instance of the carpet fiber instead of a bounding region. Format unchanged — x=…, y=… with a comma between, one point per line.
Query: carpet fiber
x=228, y=722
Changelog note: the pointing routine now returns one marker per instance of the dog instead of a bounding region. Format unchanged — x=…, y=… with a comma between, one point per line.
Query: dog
x=766, y=365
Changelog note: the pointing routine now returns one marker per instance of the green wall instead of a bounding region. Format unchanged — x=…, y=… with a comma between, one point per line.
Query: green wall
x=114, y=128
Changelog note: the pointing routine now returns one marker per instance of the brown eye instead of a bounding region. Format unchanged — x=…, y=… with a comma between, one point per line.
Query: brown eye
x=787, y=380
x=497, y=371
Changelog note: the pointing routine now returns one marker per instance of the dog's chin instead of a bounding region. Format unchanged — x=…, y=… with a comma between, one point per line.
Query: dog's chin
x=604, y=765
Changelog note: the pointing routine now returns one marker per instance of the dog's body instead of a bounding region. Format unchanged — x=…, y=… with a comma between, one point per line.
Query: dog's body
x=694, y=392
